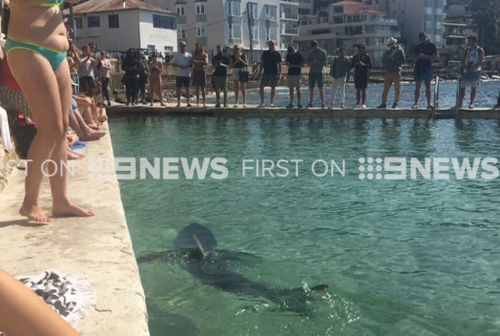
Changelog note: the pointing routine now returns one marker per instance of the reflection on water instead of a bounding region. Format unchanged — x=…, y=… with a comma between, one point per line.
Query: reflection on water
x=414, y=257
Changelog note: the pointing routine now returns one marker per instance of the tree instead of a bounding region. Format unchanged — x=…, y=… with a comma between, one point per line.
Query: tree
x=486, y=14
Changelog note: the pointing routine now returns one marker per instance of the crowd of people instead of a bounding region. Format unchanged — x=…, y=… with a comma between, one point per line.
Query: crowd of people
x=192, y=70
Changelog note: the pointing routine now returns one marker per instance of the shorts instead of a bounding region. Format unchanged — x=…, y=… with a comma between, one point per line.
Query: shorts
x=315, y=80
x=424, y=75
x=237, y=73
x=182, y=82
x=199, y=78
x=361, y=81
x=470, y=79
x=294, y=81
x=220, y=82
x=269, y=80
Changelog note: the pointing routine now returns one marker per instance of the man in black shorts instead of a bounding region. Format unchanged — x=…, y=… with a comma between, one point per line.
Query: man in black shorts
x=271, y=65
x=361, y=63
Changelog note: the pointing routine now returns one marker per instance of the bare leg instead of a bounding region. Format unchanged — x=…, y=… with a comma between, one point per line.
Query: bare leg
x=236, y=91
x=261, y=91
x=187, y=95
x=178, y=96
x=204, y=96
x=428, y=92
x=358, y=96
x=61, y=205
x=43, y=98
x=23, y=313
x=244, y=92
x=298, y=95
x=322, y=95
x=291, y=94
x=197, y=88
x=417, y=91
x=273, y=93
x=473, y=93
x=461, y=96
x=363, y=96
x=311, y=94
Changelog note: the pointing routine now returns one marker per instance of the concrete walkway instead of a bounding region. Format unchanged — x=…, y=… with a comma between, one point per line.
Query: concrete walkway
x=97, y=248
x=251, y=111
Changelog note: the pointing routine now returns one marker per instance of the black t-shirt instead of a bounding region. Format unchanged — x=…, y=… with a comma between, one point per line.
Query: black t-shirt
x=428, y=49
x=361, y=69
x=294, y=59
x=220, y=71
x=237, y=63
x=271, y=61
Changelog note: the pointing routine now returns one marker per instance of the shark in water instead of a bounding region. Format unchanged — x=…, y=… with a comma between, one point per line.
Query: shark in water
x=195, y=249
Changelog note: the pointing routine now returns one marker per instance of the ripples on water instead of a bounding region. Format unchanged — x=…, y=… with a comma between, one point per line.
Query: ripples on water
x=401, y=258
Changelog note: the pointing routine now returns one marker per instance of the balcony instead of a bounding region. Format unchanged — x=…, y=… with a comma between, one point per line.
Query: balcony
x=289, y=16
x=290, y=2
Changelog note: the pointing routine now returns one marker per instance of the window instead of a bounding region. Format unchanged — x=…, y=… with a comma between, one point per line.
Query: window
x=201, y=30
x=233, y=8
x=235, y=31
x=78, y=22
x=271, y=34
x=162, y=21
x=255, y=33
x=93, y=21
x=270, y=12
x=113, y=21
x=181, y=10
x=253, y=8
x=181, y=32
x=200, y=9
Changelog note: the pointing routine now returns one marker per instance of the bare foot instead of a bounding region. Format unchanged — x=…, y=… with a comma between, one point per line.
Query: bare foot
x=70, y=210
x=94, y=135
x=35, y=214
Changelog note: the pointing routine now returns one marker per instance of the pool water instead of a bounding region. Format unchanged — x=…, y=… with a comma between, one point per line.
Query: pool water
x=411, y=257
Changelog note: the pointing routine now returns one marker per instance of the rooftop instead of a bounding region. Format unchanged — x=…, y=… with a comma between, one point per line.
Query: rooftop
x=96, y=6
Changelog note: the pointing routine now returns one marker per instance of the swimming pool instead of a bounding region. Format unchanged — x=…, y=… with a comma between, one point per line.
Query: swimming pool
x=406, y=257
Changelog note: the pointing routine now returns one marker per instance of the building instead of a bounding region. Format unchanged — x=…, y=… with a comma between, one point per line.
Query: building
x=457, y=26
x=415, y=16
x=117, y=25
x=346, y=25
x=306, y=8
x=232, y=22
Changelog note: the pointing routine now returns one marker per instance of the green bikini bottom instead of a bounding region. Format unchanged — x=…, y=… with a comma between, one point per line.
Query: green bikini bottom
x=54, y=57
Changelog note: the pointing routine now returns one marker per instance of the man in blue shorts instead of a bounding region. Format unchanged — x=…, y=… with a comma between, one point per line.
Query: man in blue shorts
x=316, y=60
x=425, y=53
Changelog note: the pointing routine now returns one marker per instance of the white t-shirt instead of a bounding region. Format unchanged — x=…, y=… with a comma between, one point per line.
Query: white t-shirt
x=181, y=59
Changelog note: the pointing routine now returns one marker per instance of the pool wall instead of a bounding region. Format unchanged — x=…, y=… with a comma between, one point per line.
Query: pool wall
x=97, y=248
x=253, y=112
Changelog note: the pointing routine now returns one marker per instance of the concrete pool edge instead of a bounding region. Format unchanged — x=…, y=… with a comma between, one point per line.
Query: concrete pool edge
x=99, y=248
x=253, y=112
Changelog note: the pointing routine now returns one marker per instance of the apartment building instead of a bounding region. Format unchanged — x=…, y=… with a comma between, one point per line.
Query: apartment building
x=118, y=25
x=346, y=24
x=415, y=16
x=249, y=24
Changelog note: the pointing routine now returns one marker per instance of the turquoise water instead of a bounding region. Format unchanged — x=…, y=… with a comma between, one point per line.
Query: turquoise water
x=413, y=257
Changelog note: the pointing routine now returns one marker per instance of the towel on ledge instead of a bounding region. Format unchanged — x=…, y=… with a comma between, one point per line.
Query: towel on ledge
x=70, y=296
x=5, y=131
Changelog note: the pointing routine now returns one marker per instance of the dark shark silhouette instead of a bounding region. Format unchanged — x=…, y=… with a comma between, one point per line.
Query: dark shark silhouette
x=195, y=249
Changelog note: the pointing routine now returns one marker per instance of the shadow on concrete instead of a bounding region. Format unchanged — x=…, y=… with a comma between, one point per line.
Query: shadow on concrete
x=21, y=222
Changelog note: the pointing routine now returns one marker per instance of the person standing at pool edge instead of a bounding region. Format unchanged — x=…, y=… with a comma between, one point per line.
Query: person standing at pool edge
x=294, y=61
x=361, y=63
x=393, y=59
x=271, y=63
x=200, y=60
x=316, y=60
x=471, y=71
x=183, y=60
x=41, y=70
x=425, y=53
x=340, y=71
x=219, y=77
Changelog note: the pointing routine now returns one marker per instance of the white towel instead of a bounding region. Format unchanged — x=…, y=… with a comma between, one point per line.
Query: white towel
x=70, y=296
x=5, y=131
